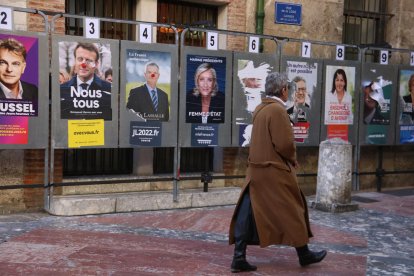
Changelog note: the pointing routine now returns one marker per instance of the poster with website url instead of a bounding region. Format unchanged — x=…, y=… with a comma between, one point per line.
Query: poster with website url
x=204, y=135
x=19, y=75
x=86, y=133
x=14, y=130
x=145, y=134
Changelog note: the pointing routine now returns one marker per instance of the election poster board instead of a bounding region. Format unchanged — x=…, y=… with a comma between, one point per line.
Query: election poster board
x=378, y=103
x=205, y=98
x=149, y=95
x=304, y=102
x=249, y=76
x=24, y=86
x=340, y=100
x=405, y=110
x=84, y=92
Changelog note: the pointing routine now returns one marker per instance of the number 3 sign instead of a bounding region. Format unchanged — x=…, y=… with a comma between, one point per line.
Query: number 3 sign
x=92, y=28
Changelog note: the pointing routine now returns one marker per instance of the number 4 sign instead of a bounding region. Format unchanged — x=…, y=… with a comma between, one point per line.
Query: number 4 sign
x=145, y=33
x=6, y=18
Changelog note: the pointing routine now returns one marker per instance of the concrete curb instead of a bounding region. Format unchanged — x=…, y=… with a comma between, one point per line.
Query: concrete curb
x=140, y=201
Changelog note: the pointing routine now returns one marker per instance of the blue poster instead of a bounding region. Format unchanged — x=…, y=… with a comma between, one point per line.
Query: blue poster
x=145, y=134
x=204, y=135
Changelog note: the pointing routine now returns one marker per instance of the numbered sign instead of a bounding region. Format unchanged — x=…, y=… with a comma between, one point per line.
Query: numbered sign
x=92, y=28
x=340, y=52
x=145, y=33
x=384, y=57
x=254, y=44
x=306, y=49
x=412, y=59
x=6, y=18
x=212, y=41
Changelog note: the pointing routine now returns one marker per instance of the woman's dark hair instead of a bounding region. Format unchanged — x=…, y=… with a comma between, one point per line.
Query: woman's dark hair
x=339, y=72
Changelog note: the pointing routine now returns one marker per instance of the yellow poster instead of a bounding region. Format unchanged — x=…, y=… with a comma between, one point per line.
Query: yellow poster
x=86, y=133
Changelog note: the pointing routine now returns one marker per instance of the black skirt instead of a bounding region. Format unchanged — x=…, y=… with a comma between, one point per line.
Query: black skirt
x=245, y=227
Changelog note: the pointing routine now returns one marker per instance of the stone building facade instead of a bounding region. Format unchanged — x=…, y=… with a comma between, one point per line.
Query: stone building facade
x=322, y=20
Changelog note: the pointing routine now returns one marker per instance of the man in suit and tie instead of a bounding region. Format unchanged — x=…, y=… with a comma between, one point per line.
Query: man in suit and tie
x=86, y=95
x=149, y=101
x=12, y=66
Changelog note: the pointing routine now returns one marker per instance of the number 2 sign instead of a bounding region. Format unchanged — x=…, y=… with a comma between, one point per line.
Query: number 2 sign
x=6, y=18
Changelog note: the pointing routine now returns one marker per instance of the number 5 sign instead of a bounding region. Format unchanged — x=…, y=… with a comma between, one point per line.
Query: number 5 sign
x=6, y=18
x=212, y=41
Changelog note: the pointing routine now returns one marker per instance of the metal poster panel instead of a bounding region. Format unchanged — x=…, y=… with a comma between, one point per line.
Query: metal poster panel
x=340, y=100
x=149, y=95
x=405, y=108
x=304, y=102
x=84, y=92
x=249, y=76
x=205, y=98
x=378, y=104
x=24, y=87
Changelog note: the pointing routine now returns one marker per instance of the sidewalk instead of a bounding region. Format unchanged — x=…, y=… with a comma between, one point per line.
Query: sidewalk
x=378, y=239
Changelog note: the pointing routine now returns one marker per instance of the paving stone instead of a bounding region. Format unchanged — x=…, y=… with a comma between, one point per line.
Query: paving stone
x=377, y=239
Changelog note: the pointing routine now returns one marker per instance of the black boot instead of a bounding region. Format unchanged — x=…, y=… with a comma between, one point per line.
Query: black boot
x=307, y=257
x=239, y=263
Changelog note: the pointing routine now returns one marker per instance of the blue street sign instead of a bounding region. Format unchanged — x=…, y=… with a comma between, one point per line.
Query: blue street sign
x=286, y=13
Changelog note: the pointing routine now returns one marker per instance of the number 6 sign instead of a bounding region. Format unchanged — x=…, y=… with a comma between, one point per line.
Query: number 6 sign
x=253, y=44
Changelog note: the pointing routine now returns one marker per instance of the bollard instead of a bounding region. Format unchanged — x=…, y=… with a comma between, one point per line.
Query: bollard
x=334, y=180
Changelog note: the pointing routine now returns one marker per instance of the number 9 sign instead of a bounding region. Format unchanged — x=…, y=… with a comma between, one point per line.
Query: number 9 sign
x=384, y=57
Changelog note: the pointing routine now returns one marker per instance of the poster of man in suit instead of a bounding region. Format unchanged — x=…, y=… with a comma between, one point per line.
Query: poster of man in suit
x=148, y=84
x=86, y=94
x=19, y=75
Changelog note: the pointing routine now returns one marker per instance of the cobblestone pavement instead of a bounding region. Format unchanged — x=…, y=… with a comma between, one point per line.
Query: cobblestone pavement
x=377, y=239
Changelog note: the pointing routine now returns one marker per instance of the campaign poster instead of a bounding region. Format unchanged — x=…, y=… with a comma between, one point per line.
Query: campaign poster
x=14, y=130
x=250, y=87
x=377, y=93
x=145, y=134
x=406, y=116
x=339, y=95
x=303, y=81
x=19, y=75
x=85, y=75
x=86, y=133
x=148, y=84
x=204, y=135
x=205, y=86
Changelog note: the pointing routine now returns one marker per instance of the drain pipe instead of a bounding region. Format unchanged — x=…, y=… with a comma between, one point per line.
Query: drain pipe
x=260, y=21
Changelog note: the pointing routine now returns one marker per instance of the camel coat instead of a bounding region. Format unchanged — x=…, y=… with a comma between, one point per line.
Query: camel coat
x=279, y=206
